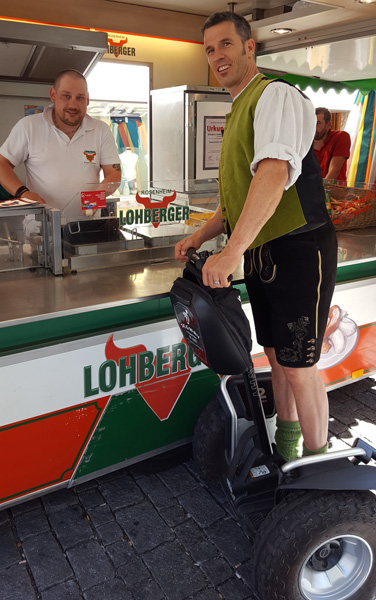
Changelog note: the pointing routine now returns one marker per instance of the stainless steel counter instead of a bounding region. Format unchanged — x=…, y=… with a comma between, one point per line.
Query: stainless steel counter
x=36, y=295
x=28, y=296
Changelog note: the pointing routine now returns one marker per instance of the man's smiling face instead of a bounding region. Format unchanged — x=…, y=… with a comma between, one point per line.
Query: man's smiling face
x=230, y=59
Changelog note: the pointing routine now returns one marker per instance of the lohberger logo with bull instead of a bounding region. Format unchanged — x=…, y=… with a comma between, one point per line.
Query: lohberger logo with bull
x=119, y=47
x=159, y=377
x=154, y=212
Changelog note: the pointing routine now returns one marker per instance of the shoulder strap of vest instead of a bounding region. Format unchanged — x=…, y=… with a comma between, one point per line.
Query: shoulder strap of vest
x=287, y=83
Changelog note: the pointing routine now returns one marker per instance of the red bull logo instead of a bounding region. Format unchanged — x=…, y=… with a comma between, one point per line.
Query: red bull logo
x=159, y=377
x=90, y=155
x=118, y=48
x=154, y=212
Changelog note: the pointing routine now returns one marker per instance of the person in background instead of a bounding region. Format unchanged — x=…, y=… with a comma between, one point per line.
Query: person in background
x=332, y=148
x=63, y=149
x=272, y=205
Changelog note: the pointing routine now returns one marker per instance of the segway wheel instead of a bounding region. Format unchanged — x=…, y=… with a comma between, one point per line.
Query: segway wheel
x=318, y=546
x=209, y=441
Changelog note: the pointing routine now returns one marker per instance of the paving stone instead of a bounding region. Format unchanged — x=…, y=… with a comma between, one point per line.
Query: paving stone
x=148, y=589
x=144, y=527
x=68, y=590
x=71, y=526
x=47, y=561
x=227, y=529
x=174, y=571
x=173, y=515
x=109, y=590
x=100, y=515
x=121, y=492
x=178, y=480
x=23, y=507
x=121, y=552
x=86, y=485
x=133, y=572
x=110, y=533
x=235, y=589
x=117, y=474
x=4, y=517
x=90, y=497
x=337, y=397
x=195, y=541
x=194, y=469
x=90, y=564
x=336, y=427
x=365, y=413
x=369, y=399
x=342, y=414
x=201, y=506
x=9, y=553
x=15, y=583
x=217, y=570
x=31, y=523
x=157, y=492
x=59, y=499
x=217, y=491
x=362, y=386
x=208, y=594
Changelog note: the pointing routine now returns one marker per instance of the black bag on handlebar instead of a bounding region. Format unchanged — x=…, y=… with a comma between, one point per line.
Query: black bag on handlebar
x=213, y=323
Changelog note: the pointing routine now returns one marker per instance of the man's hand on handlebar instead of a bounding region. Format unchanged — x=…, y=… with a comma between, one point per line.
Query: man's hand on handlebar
x=218, y=269
x=182, y=247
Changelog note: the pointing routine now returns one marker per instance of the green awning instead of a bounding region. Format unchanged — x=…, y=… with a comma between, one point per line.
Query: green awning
x=363, y=85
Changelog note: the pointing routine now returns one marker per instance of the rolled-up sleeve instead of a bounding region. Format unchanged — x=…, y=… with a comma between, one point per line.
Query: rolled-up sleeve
x=284, y=128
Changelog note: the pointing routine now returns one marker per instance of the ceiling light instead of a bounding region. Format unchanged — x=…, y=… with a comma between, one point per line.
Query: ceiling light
x=282, y=30
x=365, y=1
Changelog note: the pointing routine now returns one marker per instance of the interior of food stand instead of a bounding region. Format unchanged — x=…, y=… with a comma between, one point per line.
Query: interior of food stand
x=338, y=75
x=119, y=95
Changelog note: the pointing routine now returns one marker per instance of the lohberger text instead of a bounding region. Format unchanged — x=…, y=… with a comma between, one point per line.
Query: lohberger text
x=138, y=368
x=142, y=216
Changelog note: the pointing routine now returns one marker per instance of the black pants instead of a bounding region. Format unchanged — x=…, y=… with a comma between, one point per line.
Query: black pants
x=290, y=283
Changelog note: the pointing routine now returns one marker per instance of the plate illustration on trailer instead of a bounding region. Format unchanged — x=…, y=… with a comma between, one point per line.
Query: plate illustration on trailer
x=340, y=338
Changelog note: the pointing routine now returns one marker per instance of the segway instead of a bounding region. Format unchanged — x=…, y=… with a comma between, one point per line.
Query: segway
x=312, y=520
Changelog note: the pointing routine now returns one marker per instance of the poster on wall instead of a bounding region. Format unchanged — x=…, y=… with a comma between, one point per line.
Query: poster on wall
x=213, y=131
x=210, y=123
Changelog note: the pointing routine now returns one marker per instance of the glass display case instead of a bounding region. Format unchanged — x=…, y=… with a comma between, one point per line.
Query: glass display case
x=22, y=236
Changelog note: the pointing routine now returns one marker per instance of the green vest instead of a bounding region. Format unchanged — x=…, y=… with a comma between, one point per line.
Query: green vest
x=237, y=152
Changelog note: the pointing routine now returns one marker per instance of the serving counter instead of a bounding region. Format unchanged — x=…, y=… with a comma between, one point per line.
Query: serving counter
x=95, y=374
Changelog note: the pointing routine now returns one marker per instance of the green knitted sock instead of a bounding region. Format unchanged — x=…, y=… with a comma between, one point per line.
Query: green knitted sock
x=288, y=438
x=308, y=452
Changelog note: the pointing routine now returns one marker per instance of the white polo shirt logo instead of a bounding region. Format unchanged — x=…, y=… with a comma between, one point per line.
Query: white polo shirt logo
x=90, y=156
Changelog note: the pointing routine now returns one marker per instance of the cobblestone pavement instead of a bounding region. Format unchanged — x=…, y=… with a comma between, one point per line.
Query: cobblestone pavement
x=141, y=535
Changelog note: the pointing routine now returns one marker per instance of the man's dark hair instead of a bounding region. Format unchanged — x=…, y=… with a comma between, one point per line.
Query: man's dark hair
x=243, y=28
x=325, y=112
x=71, y=73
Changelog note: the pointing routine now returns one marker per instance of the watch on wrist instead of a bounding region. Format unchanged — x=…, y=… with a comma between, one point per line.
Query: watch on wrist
x=21, y=190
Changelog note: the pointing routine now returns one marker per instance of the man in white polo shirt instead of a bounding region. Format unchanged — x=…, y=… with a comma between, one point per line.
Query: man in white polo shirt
x=63, y=150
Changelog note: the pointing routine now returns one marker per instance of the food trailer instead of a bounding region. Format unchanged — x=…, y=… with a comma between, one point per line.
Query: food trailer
x=94, y=372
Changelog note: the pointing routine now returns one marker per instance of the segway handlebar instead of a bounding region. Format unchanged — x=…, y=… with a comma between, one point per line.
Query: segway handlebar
x=198, y=259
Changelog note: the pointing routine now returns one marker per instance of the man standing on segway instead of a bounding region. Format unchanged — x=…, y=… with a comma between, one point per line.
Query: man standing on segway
x=272, y=206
